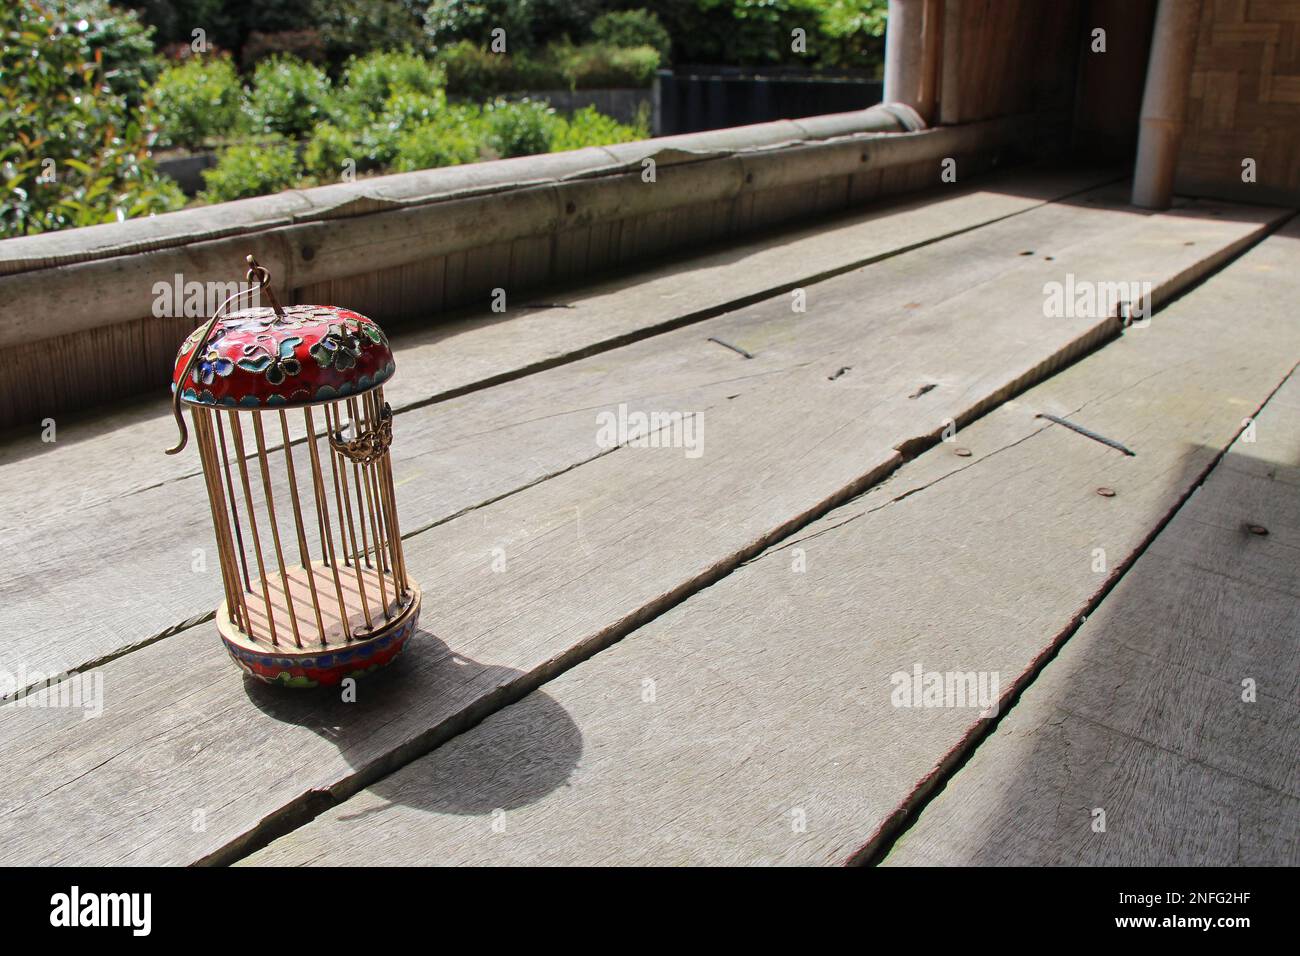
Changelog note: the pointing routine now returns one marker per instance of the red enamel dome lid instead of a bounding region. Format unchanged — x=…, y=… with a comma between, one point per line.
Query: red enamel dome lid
x=255, y=358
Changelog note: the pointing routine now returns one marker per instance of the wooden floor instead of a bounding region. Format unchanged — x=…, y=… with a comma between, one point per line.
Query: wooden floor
x=719, y=641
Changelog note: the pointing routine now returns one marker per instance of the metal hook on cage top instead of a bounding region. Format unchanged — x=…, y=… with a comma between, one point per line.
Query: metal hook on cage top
x=260, y=281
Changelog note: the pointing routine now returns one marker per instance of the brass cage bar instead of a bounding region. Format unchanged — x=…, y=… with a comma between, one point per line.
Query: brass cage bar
x=377, y=591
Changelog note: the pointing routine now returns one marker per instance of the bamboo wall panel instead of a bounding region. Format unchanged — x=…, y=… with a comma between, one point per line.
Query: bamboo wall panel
x=1003, y=57
x=1244, y=102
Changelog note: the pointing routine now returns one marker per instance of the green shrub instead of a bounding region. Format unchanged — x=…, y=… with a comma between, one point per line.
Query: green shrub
x=328, y=151
x=254, y=169
x=529, y=24
x=587, y=127
x=407, y=108
x=478, y=73
x=124, y=44
x=378, y=141
x=451, y=139
x=289, y=97
x=841, y=33
x=227, y=24
x=370, y=81
x=381, y=134
x=72, y=151
x=519, y=129
x=629, y=28
x=198, y=101
x=355, y=27
x=449, y=22
x=597, y=66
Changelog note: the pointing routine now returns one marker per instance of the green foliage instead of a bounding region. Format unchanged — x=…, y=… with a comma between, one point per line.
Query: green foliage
x=329, y=150
x=289, y=97
x=521, y=128
x=452, y=21
x=631, y=28
x=529, y=24
x=80, y=89
x=355, y=27
x=73, y=152
x=479, y=73
x=761, y=31
x=451, y=138
x=173, y=20
x=381, y=136
x=369, y=81
x=227, y=24
x=840, y=33
x=410, y=109
x=124, y=42
x=253, y=169
x=598, y=66
x=198, y=101
x=336, y=29
x=587, y=127
x=842, y=18
x=854, y=32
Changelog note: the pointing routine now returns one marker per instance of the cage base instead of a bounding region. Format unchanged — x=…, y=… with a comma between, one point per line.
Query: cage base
x=314, y=664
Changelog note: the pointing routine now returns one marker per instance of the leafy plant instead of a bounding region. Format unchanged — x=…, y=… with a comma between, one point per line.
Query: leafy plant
x=227, y=24
x=528, y=24
x=588, y=127
x=407, y=109
x=629, y=28
x=370, y=81
x=523, y=128
x=598, y=65
x=73, y=151
x=355, y=27
x=452, y=138
x=290, y=97
x=198, y=101
x=124, y=42
x=855, y=30
x=328, y=151
x=381, y=137
x=254, y=169
x=840, y=33
x=479, y=73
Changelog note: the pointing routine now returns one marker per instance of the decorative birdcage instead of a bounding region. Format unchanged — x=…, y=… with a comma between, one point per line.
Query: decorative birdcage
x=288, y=412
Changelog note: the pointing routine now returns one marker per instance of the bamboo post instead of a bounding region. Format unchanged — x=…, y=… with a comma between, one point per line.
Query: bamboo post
x=1164, y=102
x=912, y=43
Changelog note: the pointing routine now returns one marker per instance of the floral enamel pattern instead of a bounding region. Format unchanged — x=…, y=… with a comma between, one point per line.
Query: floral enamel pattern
x=256, y=359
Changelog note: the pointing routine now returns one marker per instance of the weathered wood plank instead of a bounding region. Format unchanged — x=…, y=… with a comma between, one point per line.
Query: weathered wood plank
x=588, y=555
x=757, y=722
x=1143, y=716
x=528, y=429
